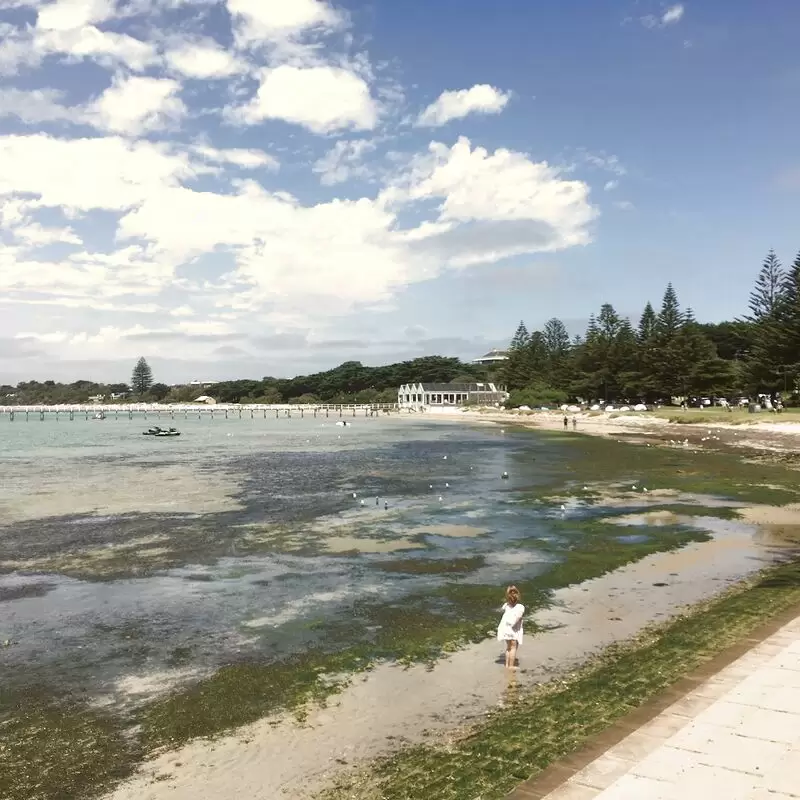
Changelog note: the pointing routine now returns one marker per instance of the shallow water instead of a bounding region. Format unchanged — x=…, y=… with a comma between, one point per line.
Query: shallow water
x=126, y=556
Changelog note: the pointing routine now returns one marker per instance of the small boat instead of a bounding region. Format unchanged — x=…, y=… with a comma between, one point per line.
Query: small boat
x=161, y=432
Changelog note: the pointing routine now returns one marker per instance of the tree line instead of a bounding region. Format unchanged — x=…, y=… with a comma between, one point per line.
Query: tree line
x=667, y=353
x=350, y=382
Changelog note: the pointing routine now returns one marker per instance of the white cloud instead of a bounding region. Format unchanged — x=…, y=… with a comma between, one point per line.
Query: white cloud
x=344, y=161
x=37, y=106
x=203, y=60
x=610, y=185
x=624, y=205
x=239, y=157
x=319, y=260
x=258, y=21
x=131, y=106
x=480, y=99
x=105, y=47
x=137, y=104
x=68, y=15
x=322, y=99
x=205, y=230
x=670, y=16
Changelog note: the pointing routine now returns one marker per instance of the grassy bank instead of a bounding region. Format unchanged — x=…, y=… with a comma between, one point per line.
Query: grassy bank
x=537, y=729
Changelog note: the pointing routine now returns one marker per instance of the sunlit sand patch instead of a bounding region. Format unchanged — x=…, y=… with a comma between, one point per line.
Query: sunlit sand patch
x=144, y=489
x=445, y=529
x=771, y=515
x=98, y=561
x=654, y=518
x=346, y=544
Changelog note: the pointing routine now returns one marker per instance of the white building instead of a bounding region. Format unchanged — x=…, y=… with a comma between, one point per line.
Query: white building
x=417, y=395
x=492, y=358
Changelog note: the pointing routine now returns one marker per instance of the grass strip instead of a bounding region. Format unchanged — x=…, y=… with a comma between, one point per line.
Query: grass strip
x=551, y=722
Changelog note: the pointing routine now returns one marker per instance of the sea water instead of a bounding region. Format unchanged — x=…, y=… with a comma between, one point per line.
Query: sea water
x=128, y=563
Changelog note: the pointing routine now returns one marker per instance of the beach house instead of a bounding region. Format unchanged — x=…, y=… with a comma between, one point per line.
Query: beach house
x=437, y=395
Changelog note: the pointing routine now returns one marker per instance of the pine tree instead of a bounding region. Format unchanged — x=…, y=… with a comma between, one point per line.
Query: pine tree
x=787, y=346
x=771, y=301
x=670, y=319
x=557, y=346
x=668, y=357
x=647, y=324
x=142, y=377
x=517, y=371
x=556, y=339
x=767, y=293
x=520, y=338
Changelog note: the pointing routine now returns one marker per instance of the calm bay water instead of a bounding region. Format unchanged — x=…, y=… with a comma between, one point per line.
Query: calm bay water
x=128, y=563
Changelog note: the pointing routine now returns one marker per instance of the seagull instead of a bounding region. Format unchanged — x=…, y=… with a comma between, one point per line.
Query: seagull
x=354, y=495
x=563, y=507
x=444, y=457
x=633, y=487
x=644, y=488
x=430, y=486
x=447, y=486
x=386, y=505
x=585, y=488
x=362, y=502
x=440, y=498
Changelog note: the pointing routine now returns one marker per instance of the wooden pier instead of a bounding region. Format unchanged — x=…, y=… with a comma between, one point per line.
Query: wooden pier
x=158, y=411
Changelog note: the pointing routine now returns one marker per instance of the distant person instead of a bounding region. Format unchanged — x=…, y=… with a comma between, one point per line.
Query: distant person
x=566, y=422
x=574, y=423
x=510, y=628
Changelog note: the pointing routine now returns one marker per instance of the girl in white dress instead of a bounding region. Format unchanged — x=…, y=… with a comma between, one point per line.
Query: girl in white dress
x=510, y=628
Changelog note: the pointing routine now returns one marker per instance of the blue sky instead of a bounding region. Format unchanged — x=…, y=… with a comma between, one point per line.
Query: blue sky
x=269, y=187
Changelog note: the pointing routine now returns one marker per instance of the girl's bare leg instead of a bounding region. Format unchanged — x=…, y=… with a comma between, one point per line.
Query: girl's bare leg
x=509, y=660
x=512, y=654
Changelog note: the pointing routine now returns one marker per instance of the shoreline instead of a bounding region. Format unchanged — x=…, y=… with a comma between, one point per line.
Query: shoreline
x=270, y=758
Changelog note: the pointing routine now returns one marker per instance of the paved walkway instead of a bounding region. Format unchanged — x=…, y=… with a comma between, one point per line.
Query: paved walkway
x=735, y=737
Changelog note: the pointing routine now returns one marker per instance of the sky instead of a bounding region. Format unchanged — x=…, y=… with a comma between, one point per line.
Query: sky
x=242, y=188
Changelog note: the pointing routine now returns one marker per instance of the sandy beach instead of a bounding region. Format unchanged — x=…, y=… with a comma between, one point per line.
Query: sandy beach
x=286, y=756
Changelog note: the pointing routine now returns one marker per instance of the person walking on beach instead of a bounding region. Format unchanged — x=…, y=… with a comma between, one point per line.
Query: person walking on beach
x=574, y=423
x=510, y=628
x=566, y=422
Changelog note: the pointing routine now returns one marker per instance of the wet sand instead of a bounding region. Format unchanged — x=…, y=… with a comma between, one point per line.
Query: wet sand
x=391, y=705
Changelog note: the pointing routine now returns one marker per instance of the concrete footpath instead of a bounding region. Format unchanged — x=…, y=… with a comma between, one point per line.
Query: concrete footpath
x=734, y=736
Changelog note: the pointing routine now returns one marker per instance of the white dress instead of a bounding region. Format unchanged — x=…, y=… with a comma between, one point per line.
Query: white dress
x=510, y=627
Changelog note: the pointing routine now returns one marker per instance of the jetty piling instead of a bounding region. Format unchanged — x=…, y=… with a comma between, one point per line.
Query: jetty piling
x=146, y=410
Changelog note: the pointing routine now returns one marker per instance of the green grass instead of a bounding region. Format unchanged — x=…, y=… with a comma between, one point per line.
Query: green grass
x=546, y=725
x=54, y=751
x=439, y=566
x=694, y=416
